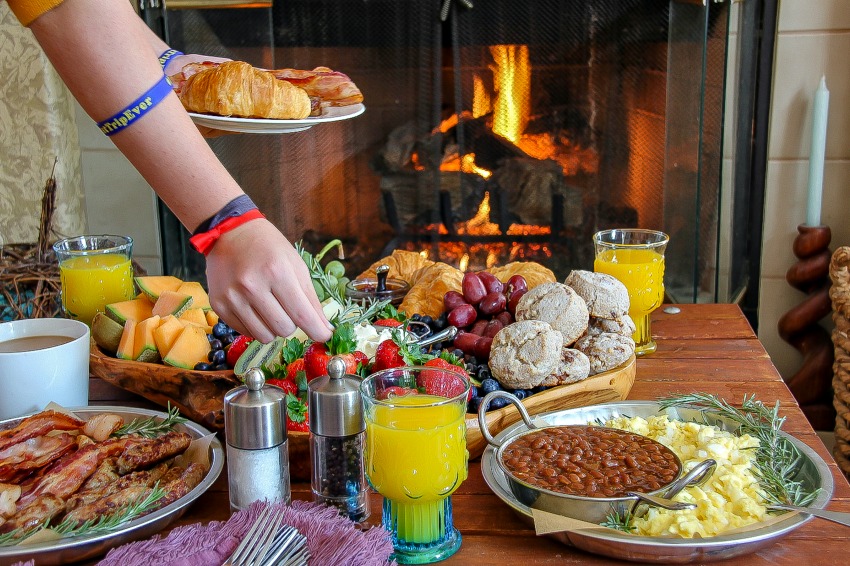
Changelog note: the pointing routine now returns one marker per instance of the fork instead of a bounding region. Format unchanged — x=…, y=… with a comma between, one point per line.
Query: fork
x=258, y=539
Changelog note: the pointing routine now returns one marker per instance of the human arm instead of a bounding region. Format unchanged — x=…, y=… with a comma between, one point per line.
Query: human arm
x=102, y=51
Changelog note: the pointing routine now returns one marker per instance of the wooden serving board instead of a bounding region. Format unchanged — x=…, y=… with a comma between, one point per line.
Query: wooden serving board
x=612, y=385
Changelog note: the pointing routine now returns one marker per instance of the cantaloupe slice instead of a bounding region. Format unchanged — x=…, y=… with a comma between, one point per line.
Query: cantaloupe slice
x=128, y=337
x=212, y=317
x=153, y=285
x=165, y=335
x=144, y=346
x=190, y=348
x=194, y=316
x=200, y=299
x=171, y=302
x=134, y=309
x=106, y=332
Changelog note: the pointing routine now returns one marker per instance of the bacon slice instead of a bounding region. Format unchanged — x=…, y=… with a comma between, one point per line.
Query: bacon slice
x=150, y=451
x=105, y=474
x=19, y=460
x=38, y=425
x=39, y=510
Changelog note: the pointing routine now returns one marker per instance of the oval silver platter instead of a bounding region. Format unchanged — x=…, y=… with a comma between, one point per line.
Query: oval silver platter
x=813, y=473
x=75, y=549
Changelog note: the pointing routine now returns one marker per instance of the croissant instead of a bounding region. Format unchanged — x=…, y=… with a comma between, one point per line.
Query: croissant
x=235, y=88
x=432, y=282
x=403, y=265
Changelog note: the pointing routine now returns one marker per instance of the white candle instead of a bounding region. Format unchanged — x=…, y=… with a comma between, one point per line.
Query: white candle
x=816, y=156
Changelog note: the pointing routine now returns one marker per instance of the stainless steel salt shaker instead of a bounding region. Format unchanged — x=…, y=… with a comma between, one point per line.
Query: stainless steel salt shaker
x=337, y=436
x=257, y=447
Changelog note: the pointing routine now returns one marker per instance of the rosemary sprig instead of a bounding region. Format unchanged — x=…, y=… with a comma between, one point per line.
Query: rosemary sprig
x=622, y=523
x=102, y=524
x=776, y=460
x=151, y=427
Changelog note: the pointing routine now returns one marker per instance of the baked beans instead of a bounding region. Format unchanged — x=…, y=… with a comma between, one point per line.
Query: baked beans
x=590, y=461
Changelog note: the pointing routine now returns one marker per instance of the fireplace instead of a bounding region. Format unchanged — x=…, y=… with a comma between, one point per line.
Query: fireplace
x=511, y=131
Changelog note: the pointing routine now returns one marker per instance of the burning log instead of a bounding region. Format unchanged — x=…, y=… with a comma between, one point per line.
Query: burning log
x=528, y=188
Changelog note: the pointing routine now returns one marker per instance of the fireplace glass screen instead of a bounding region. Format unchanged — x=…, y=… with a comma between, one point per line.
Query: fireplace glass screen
x=509, y=131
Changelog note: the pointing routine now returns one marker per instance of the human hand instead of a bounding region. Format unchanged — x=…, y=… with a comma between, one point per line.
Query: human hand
x=261, y=287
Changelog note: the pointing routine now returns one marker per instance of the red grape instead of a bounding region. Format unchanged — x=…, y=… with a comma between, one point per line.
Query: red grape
x=493, y=327
x=473, y=288
x=512, y=303
x=481, y=348
x=452, y=300
x=462, y=316
x=466, y=341
x=491, y=282
x=517, y=283
x=492, y=303
x=505, y=318
x=478, y=327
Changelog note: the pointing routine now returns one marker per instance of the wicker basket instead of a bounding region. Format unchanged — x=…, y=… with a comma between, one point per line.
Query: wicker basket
x=839, y=272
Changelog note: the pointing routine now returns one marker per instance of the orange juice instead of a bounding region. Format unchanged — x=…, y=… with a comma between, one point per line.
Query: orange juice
x=642, y=272
x=416, y=457
x=90, y=282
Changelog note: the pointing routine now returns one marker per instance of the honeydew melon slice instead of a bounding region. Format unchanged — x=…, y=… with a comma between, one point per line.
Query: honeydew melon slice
x=200, y=298
x=144, y=346
x=128, y=337
x=153, y=285
x=135, y=309
x=106, y=332
x=172, y=302
x=166, y=334
x=190, y=348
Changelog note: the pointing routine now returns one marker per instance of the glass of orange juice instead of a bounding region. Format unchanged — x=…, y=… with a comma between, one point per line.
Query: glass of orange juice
x=416, y=456
x=94, y=271
x=636, y=258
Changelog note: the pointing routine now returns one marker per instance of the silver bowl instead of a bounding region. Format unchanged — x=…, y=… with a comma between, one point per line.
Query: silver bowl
x=812, y=472
x=584, y=508
x=73, y=549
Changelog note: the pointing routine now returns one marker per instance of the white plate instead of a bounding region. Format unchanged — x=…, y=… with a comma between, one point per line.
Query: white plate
x=73, y=549
x=813, y=472
x=269, y=126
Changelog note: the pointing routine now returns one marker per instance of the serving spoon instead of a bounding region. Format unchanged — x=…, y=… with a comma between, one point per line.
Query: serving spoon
x=834, y=516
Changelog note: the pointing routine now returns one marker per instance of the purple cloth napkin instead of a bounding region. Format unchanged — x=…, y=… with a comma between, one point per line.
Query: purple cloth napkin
x=331, y=538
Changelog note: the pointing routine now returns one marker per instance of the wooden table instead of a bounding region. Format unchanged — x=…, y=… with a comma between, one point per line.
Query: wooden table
x=708, y=348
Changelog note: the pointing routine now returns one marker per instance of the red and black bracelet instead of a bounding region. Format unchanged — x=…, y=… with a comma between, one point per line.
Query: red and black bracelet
x=234, y=214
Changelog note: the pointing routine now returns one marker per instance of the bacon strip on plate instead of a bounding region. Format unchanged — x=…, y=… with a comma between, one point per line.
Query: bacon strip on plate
x=38, y=425
x=19, y=460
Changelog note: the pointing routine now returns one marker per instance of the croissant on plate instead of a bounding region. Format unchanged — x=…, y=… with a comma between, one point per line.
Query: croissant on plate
x=235, y=88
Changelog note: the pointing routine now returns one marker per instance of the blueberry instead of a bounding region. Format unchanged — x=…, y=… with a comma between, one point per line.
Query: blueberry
x=227, y=339
x=474, y=403
x=211, y=355
x=489, y=385
x=470, y=368
x=427, y=319
x=436, y=348
x=220, y=330
x=439, y=323
x=528, y=392
x=218, y=357
x=216, y=344
x=220, y=367
x=201, y=366
x=519, y=393
x=483, y=372
x=539, y=388
x=416, y=317
x=210, y=338
x=498, y=403
x=476, y=391
x=458, y=352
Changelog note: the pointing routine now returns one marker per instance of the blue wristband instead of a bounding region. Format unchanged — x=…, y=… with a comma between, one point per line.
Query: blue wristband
x=167, y=56
x=136, y=109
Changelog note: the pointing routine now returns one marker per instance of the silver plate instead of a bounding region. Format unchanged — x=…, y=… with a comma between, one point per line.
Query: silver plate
x=813, y=473
x=75, y=549
x=272, y=126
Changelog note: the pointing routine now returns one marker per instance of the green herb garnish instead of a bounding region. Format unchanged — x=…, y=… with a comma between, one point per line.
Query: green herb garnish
x=776, y=460
x=618, y=522
x=152, y=427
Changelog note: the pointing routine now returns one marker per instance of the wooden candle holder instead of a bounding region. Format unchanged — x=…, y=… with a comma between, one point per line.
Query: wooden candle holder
x=812, y=383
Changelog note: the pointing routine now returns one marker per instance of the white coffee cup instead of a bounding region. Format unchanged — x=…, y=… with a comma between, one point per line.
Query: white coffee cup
x=31, y=379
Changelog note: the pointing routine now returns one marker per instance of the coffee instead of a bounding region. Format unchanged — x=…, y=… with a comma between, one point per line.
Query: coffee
x=30, y=343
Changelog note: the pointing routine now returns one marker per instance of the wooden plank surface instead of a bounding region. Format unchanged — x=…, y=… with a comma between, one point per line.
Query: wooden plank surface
x=708, y=348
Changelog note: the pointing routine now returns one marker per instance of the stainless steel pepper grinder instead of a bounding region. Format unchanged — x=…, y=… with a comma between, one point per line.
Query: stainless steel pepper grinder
x=337, y=436
x=257, y=446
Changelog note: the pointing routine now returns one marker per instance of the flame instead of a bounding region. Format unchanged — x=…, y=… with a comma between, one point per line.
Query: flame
x=481, y=103
x=464, y=262
x=512, y=81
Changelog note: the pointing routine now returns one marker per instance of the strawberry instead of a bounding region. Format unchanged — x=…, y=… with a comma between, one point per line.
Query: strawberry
x=297, y=418
x=316, y=360
x=287, y=385
x=396, y=352
x=388, y=322
x=438, y=383
x=317, y=355
x=237, y=348
x=396, y=391
x=293, y=368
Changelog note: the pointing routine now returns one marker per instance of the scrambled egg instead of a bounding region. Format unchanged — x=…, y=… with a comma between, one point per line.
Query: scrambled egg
x=730, y=499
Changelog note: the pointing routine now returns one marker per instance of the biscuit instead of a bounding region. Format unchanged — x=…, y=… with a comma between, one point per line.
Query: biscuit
x=625, y=326
x=606, y=351
x=558, y=305
x=574, y=366
x=606, y=296
x=525, y=353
